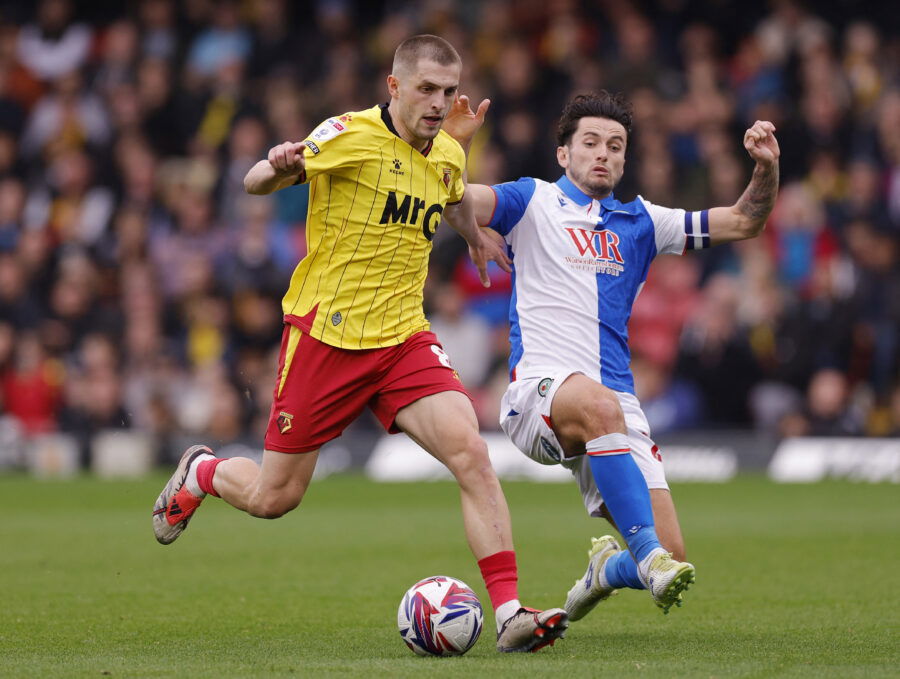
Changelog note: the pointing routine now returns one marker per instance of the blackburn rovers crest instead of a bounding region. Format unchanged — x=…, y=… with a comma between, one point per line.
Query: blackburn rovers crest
x=544, y=386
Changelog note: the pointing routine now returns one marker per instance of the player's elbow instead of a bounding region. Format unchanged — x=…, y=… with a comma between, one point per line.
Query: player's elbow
x=746, y=226
x=252, y=187
x=451, y=213
x=753, y=228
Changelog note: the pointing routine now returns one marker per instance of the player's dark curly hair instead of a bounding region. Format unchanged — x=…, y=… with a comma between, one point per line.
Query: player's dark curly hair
x=601, y=104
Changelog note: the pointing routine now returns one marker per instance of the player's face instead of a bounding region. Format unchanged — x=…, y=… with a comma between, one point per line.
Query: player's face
x=594, y=159
x=421, y=99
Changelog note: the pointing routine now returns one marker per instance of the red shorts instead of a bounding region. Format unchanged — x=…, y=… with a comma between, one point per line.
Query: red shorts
x=321, y=389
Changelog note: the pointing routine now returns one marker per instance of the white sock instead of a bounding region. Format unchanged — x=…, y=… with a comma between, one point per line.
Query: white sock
x=191, y=480
x=602, y=582
x=505, y=611
x=644, y=565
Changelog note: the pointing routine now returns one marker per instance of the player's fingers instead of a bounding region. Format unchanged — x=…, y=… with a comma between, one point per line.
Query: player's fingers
x=463, y=101
x=298, y=156
x=477, y=255
x=278, y=157
x=287, y=152
x=503, y=261
x=482, y=109
x=483, y=275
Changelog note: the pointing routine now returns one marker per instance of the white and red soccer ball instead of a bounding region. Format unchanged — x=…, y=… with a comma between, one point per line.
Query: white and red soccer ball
x=440, y=616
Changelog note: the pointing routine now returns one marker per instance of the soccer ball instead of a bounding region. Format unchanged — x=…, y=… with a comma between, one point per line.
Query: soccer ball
x=440, y=616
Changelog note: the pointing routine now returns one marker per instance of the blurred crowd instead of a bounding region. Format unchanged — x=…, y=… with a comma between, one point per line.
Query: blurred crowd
x=140, y=286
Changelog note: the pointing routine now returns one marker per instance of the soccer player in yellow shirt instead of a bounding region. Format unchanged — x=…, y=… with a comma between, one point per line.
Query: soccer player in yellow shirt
x=355, y=334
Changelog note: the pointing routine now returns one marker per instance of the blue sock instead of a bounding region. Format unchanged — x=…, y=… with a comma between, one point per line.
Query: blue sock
x=624, y=491
x=621, y=571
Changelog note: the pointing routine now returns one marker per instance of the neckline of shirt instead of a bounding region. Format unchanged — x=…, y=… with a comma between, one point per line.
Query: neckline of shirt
x=568, y=187
x=389, y=123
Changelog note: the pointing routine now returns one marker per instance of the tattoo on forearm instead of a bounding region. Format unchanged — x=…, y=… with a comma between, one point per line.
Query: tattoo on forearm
x=758, y=199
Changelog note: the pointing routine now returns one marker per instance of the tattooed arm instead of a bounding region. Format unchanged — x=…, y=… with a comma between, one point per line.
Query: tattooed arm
x=747, y=217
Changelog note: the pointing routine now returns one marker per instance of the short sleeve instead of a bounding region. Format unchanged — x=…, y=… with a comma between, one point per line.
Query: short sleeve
x=512, y=201
x=456, y=185
x=330, y=147
x=678, y=230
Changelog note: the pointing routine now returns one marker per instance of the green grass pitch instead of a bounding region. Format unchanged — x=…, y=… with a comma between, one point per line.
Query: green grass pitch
x=792, y=581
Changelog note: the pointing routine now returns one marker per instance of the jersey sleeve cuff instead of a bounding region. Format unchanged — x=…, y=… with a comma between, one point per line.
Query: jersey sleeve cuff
x=494, y=221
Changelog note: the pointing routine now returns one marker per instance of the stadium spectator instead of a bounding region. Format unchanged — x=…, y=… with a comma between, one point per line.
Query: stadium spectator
x=68, y=117
x=716, y=356
x=31, y=385
x=93, y=395
x=219, y=45
x=55, y=45
x=828, y=410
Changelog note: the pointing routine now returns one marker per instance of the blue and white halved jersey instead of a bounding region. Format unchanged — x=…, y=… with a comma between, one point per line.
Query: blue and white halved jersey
x=578, y=265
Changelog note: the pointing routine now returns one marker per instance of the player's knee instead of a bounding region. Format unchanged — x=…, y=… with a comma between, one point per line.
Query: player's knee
x=274, y=506
x=469, y=456
x=606, y=411
x=602, y=414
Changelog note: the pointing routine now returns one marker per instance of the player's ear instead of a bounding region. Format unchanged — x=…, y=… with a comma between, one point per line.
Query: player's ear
x=393, y=86
x=562, y=156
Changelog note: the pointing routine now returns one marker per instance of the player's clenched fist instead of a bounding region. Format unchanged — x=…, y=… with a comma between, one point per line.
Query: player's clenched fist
x=760, y=142
x=287, y=158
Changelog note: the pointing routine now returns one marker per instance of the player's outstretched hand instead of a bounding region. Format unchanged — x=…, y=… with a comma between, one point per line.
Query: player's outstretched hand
x=761, y=143
x=287, y=159
x=488, y=249
x=462, y=122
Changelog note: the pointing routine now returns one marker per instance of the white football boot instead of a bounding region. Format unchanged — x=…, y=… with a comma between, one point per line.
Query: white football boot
x=592, y=588
x=665, y=578
x=529, y=630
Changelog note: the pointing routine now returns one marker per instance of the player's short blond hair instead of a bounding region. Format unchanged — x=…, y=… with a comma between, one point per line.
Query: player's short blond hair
x=418, y=47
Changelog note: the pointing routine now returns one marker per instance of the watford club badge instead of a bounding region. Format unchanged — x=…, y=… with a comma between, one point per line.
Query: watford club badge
x=284, y=422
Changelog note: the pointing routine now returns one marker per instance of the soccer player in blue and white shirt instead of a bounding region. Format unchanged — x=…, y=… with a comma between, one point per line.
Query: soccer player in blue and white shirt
x=580, y=258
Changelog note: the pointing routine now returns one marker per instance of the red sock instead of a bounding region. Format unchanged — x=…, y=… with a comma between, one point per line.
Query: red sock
x=501, y=577
x=205, y=472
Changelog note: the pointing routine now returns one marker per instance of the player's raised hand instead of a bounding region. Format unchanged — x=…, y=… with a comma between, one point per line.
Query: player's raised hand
x=761, y=143
x=462, y=122
x=287, y=159
x=489, y=249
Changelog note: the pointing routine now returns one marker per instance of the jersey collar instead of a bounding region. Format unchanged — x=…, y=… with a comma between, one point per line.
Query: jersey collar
x=388, y=123
x=579, y=197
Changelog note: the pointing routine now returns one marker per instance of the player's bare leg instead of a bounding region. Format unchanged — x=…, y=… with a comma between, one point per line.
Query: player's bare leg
x=267, y=491
x=445, y=425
